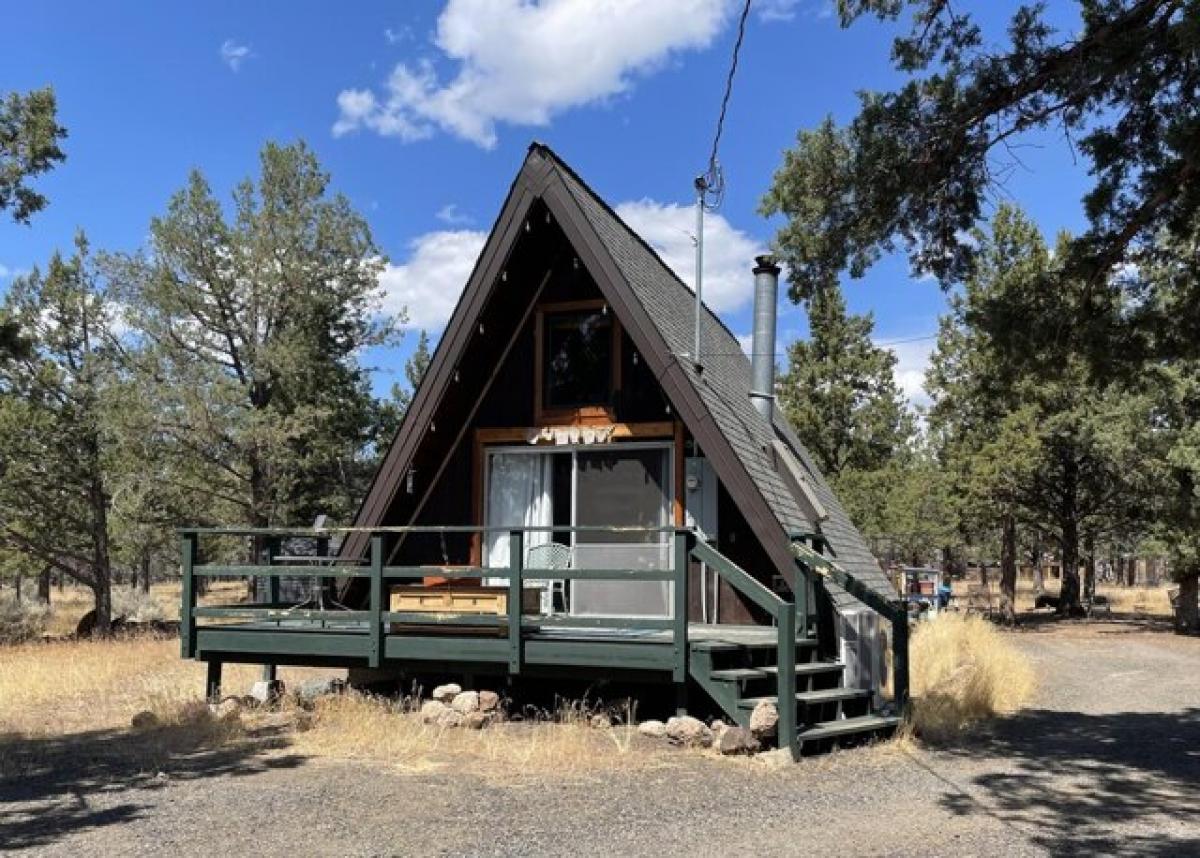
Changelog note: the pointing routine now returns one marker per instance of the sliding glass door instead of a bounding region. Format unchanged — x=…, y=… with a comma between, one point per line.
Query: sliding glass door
x=622, y=485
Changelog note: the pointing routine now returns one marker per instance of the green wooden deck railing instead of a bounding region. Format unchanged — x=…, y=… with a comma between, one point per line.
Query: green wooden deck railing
x=377, y=618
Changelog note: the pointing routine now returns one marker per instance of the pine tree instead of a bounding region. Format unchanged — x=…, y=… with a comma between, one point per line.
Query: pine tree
x=252, y=325
x=57, y=449
x=29, y=138
x=917, y=167
x=1047, y=440
x=839, y=391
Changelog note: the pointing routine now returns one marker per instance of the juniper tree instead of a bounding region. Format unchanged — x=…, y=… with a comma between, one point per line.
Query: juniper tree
x=1048, y=441
x=840, y=393
x=252, y=322
x=29, y=146
x=57, y=449
x=916, y=167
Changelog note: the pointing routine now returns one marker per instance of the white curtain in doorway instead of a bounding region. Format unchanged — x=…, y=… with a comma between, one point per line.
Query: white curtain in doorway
x=519, y=486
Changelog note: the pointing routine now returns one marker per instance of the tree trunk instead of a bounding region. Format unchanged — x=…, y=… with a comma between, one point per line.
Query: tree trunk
x=102, y=601
x=1039, y=572
x=44, y=586
x=1089, y=572
x=146, y=571
x=983, y=573
x=1008, y=570
x=1068, y=601
x=1187, y=619
x=17, y=586
x=1131, y=571
x=101, y=565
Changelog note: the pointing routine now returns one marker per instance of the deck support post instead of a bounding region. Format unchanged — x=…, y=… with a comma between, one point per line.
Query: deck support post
x=212, y=681
x=187, y=616
x=516, y=559
x=900, y=660
x=786, y=688
x=682, y=549
x=375, y=646
x=269, y=671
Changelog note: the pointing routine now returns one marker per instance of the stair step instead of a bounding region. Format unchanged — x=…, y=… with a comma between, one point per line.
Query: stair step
x=827, y=695
x=848, y=727
x=809, y=668
x=740, y=674
x=734, y=646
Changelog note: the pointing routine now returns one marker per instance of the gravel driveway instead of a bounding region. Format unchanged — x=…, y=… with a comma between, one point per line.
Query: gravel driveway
x=1106, y=761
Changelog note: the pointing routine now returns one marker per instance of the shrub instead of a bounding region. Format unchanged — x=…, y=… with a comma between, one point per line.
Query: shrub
x=21, y=621
x=136, y=606
x=964, y=671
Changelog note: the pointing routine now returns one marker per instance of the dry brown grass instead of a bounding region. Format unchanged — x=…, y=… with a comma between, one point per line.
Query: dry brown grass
x=1144, y=601
x=964, y=671
x=67, y=606
x=71, y=686
x=70, y=689
x=562, y=743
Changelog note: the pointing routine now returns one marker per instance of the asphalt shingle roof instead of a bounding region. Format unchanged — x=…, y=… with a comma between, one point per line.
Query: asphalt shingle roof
x=723, y=386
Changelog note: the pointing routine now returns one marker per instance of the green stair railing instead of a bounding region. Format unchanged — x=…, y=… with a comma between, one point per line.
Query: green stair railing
x=783, y=613
x=894, y=612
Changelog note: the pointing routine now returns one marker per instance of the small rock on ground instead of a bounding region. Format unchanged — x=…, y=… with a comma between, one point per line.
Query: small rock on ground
x=736, y=740
x=764, y=720
x=446, y=693
x=465, y=702
x=653, y=729
x=689, y=732
x=431, y=710
x=267, y=691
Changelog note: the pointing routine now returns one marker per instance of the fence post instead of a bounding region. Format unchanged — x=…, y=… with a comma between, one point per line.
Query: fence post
x=376, y=630
x=516, y=560
x=679, y=635
x=900, y=660
x=187, y=618
x=785, y=689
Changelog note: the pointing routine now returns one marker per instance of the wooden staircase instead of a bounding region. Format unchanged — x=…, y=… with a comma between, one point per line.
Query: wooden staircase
x=740, y=674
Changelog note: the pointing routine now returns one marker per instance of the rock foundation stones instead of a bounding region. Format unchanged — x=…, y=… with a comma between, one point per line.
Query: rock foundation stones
x=764, y=720
x=688, y=732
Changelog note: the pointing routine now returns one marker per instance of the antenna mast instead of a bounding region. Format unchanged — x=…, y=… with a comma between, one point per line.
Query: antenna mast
x=710, y=185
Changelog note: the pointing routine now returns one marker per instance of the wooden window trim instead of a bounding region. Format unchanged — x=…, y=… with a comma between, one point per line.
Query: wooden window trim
x=585, y=415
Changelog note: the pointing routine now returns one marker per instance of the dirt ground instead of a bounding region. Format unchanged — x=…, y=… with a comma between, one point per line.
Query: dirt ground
x=1105, y=761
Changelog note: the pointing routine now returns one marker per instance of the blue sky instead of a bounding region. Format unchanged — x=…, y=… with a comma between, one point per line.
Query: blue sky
x=422, y=112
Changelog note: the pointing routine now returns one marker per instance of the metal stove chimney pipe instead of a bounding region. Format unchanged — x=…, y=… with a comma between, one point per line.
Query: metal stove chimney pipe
x=762, y=348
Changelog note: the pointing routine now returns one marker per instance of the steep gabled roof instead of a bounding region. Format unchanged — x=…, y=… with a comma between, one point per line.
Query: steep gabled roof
x=657, y=310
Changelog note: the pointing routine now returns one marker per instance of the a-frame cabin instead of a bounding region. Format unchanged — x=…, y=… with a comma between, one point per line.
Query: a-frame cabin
x=662, y=525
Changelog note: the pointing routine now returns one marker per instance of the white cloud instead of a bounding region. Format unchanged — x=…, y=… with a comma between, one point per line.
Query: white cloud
x=728, y=252
x=522, y=62
x=770, y=11
x=912, y=362
x=429, y=283
x=233, y=54
x=396, y=35
x=450, y=214
x=746, y=341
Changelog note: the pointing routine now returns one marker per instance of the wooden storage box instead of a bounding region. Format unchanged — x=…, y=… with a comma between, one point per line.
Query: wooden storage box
x=460, y=599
